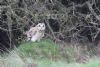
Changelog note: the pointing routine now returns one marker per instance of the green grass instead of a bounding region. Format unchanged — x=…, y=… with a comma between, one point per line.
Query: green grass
x=46, y=63
x=43, y=49
x=92, y=63
x=46, y=49
x=14, y=60
x=44, y=54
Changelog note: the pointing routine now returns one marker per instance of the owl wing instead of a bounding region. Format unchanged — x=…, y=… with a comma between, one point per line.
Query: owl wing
x=32, y=32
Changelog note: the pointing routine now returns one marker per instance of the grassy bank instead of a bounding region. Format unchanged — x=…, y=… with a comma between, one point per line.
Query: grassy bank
x=46, y=54
x=15, y=61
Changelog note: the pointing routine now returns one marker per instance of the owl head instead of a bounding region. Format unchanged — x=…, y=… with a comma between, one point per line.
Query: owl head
x=40, y=26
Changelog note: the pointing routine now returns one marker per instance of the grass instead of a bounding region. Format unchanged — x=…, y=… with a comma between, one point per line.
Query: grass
x=42, y=49
x=46, y=49
x=14, y=60
x=46, y=63
x=44, y=54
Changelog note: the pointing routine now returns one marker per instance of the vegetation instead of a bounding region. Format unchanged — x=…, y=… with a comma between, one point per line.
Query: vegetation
x=46, y=54
x=42, y=49
x=72, y=33
x=49, y=50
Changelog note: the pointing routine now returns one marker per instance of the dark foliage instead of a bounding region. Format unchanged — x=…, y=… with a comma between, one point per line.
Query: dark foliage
x=54, y=25
x=68, y=19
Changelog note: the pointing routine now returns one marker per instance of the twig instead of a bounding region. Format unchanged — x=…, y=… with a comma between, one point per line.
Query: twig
x=92, y=11
x=50, y=29
x=3, y=29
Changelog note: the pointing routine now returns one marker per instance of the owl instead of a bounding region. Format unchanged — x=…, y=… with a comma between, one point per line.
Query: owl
x=36, y=33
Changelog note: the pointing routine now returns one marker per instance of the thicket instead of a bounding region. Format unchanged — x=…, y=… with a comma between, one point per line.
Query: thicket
x=66, y=20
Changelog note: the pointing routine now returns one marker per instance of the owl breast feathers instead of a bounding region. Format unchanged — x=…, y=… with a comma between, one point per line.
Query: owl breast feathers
x=36, y=33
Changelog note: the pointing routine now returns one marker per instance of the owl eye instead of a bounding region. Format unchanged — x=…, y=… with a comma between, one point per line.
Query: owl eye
x=43, y=25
